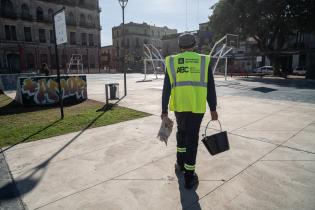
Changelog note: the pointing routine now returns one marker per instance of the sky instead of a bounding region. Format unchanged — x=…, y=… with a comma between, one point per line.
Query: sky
x=170, y=13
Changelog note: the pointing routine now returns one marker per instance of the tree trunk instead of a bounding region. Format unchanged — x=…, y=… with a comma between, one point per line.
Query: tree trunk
x=275, y=62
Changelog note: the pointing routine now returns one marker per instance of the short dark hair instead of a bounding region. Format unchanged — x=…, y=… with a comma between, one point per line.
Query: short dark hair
x=186, y=41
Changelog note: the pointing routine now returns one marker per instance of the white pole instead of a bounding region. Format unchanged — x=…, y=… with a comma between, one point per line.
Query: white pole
x=145, y=68
x=226, y=65
x=220, y=56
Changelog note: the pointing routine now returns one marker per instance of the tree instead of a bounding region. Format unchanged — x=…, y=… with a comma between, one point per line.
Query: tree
x=269, y=22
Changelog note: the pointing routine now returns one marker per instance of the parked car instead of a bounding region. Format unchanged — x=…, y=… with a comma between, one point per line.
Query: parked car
x=299, y=70
x=264, y=69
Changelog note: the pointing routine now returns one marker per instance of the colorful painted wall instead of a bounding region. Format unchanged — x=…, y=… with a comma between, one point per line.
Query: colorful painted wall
x=44, y=90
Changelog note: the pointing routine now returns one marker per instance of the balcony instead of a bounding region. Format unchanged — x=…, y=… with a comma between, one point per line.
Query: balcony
x=28, y=17
x=7, y=14
x=71, y=23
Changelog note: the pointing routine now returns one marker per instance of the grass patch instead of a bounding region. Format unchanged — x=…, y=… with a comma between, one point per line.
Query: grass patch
x=23, y=124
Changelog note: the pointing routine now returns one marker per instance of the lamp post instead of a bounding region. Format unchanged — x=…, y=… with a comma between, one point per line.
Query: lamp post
x=123, y=4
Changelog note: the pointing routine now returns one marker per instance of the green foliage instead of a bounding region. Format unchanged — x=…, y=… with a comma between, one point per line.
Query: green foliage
x=24, y=124
x=269, y=22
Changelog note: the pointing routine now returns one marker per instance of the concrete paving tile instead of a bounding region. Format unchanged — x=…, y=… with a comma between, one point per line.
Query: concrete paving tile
x=267, y=185
x=305, y=140
x=215, y=168
x=31, y=154
x=53, y=181
x=135, y=194
x=272, y=136
x=231, y=122
x=242, y=153
x=288, y=154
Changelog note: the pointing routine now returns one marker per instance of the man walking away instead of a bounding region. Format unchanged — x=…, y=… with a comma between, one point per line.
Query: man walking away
x=188, y=84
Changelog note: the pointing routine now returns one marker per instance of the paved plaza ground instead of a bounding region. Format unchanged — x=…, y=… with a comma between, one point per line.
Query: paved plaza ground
x=271, y=164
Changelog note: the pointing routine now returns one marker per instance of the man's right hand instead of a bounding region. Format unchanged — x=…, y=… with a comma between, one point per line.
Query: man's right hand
x=214, y=115
x=164, y=115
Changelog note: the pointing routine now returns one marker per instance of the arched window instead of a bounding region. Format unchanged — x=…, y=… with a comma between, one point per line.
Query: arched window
x=71, y=19
x=7, y=8
x=82, y=20
x=128, y=43
x=25, y=11
x=39, y=14
x=50, y=14
x=90, y=20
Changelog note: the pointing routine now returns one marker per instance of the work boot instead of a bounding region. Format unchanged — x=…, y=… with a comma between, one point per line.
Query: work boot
x=191, y=180
x=179, y=167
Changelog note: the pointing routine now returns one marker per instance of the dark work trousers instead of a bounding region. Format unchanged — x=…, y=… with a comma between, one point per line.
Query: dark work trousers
x=187, y=136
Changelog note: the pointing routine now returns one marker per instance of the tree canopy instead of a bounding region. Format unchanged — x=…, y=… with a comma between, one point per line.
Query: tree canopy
x=269, y=22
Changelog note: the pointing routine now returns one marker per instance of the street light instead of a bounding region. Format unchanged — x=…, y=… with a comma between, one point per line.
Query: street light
x=123, y=4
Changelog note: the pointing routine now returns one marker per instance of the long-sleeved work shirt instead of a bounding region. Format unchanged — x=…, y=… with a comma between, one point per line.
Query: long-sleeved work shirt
x=211, y=93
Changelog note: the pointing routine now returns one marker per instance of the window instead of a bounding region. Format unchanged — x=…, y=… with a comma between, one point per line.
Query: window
x=71, y=19
x=127, y=43
x=90, y=20
x=39, y=14
x=42, y=35
x=73, y=39
x=83, y=39
x=82, y=20
x=27, y=34
x=52, y=36
x=25, y=12
x=10, y=32
x=30, y=64
x=85, y=61
x=50, y=14
x=43, y=58
x=92, y=61
x=91, y=41
x=7, y=8
x=7, y=32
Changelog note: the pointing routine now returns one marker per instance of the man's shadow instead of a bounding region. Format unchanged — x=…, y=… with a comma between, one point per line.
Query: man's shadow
x=188, y=198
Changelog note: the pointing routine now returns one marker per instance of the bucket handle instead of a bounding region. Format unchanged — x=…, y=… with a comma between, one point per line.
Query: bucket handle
x=208, y=126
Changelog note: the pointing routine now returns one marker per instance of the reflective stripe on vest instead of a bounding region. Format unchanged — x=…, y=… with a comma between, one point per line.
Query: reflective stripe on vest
x=202, y=82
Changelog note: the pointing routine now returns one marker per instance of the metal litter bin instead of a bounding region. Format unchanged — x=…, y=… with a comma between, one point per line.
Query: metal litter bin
x=111, y=91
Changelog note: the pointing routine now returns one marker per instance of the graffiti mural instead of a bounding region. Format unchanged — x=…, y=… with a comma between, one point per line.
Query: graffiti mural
x=44, y=90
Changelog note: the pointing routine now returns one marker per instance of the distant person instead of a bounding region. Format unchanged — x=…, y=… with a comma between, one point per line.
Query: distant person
x=189, y=82
x=45, y=69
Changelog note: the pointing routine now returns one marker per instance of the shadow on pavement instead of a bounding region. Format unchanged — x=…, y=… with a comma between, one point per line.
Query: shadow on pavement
x=188, y=198
x=20, y=187
x=294, y=83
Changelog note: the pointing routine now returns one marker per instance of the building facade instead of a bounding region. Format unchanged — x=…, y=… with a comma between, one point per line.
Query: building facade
x=136, y=35
x=27, y=39
x=203, y=38
x=108, y=59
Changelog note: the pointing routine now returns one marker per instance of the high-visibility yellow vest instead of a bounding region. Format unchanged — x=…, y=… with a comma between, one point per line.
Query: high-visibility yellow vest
x=188, y=73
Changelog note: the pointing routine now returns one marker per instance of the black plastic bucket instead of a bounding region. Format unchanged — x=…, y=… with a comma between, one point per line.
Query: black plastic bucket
x=216, y=143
